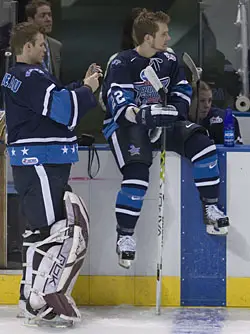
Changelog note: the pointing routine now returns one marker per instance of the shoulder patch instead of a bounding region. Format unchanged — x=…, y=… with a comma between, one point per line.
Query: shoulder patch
x=28, y=73
x=116, y=62
x=170, y=56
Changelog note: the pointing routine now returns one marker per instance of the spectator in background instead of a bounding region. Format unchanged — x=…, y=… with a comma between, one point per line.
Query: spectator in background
x=39, y=12
x=212, y=118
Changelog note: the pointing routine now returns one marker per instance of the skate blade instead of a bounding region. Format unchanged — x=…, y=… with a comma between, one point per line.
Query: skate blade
x=222, y=231
x=125, y=263
x=48, y=323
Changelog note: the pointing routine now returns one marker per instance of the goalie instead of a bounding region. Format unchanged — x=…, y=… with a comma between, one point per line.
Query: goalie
x=41, y=116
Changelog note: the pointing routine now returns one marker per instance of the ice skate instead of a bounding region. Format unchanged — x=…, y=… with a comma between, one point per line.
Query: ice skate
x=125, y=249
x=216, y=222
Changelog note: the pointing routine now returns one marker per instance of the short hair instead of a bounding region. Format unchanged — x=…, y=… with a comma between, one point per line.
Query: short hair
x=146, y=23
x=203, y=87
x=23, y=33
x=32, y=6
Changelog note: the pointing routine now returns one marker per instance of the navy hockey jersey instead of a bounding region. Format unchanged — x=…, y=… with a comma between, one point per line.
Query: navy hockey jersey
x=126, y=85
x=41, y=116
x=214, y=123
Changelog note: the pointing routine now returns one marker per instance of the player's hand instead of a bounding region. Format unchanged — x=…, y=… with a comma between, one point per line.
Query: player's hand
x=93, y=81
x=93, y=68
x=156, y=115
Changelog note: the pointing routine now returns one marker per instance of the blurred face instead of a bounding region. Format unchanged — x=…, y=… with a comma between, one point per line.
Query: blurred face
x=160, y=42
x=205, y=102
x=35, y=53
x=43, y=18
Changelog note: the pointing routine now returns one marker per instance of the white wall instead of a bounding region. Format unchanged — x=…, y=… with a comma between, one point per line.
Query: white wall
x=100, y=196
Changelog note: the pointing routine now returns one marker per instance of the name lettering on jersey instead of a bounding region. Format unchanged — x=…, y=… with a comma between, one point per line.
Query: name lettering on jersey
x=216, y=120
x=28, y=73
x=170, y=56
x=11, y=82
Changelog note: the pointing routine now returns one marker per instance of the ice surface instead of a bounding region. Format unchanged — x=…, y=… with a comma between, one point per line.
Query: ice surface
x=137, y=320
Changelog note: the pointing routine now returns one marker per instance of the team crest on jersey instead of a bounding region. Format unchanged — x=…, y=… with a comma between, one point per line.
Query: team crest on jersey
x=216, y=120
x=145, y=93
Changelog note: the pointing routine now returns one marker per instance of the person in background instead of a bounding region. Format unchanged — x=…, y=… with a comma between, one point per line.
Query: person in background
x=39, y=12
x=212, y=118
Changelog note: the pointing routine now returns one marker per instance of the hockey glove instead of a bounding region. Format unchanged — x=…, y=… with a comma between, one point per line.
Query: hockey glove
x=156, y=116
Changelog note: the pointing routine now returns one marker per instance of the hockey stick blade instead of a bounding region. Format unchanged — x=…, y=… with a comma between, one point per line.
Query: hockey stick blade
x=196, y=71
x=155, y=82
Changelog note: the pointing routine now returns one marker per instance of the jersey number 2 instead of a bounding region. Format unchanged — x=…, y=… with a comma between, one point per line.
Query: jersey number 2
x=119, y=97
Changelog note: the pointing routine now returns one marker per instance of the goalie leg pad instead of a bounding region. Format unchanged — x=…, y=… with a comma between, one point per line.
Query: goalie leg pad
x=58, y=258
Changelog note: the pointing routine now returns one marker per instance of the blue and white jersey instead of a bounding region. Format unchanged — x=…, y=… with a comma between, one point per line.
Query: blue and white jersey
x=41, y=116
x=126, y=85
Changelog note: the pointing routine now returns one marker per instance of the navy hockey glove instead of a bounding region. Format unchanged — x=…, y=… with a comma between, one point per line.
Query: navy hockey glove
x=156, y=116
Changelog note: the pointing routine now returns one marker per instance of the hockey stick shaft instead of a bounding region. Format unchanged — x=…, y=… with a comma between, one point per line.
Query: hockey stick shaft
x=156, y=83
x=196, y=76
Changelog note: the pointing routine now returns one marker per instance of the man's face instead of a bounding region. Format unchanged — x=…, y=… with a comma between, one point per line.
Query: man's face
x=36, y=52
x=205, y=103
x=160, y=41
x=43, y=18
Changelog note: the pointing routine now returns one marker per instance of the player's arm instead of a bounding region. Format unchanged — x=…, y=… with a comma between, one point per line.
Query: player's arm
x=180, y=92
x=63, y=106
x=119, y=92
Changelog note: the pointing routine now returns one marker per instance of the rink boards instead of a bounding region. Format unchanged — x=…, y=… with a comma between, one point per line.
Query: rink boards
x=198, y=269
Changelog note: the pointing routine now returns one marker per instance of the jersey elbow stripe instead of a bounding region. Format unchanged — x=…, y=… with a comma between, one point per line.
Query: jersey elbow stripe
x=46, y=99
x=75, y=110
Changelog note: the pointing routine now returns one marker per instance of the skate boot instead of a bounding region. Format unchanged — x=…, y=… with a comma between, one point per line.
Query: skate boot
x=125, y=248
x=216, y=222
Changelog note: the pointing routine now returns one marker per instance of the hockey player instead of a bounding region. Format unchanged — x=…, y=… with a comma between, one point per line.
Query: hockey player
x=133, y=109
x=41, y=116
x=212, y=118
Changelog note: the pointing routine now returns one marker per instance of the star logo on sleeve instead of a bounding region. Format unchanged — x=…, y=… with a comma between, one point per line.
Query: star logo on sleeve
x=13, y=152
x=65, y=150
x=25, y=151
x=73, y=149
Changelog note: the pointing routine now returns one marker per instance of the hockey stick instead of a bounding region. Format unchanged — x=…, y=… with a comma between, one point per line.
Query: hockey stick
x=156, y=83
x=196, y=76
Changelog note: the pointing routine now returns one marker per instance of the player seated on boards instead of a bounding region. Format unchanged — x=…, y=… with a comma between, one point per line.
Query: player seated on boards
x=134, y=117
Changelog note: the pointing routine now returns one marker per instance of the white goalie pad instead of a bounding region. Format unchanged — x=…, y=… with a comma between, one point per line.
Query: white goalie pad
x=57, y=260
